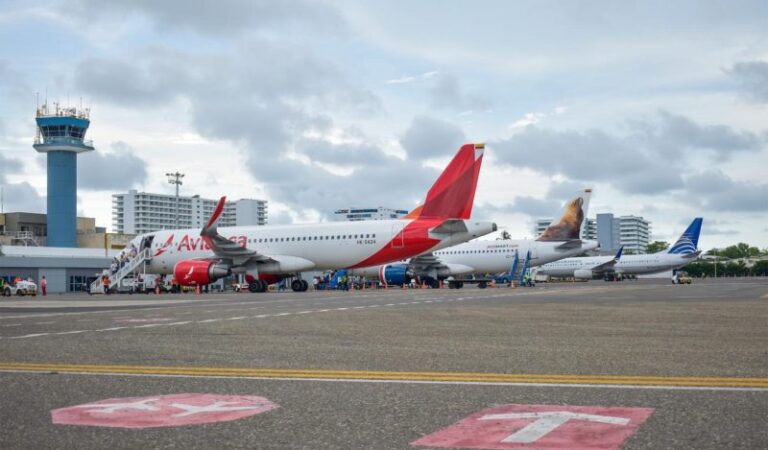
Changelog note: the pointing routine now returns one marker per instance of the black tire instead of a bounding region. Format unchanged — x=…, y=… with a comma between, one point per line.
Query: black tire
x=296, y=285
x=482, y=285
x=20, y=292
x=304, y=286
x=7, y=292
x=459, y=284
x=256, y=286
x=434, y=284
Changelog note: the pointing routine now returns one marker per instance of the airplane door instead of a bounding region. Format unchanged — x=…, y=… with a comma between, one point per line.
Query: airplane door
x=398, y=239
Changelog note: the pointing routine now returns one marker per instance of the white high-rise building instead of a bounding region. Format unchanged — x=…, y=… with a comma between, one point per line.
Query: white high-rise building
x=380, y=213
x=631, y=232
x=143, y=212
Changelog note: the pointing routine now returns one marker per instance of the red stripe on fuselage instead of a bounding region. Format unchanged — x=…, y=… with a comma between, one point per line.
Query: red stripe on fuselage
x=414, y=238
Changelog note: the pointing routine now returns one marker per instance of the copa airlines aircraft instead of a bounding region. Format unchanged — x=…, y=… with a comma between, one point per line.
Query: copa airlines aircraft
x=595, y=267
x=269, y=253
x=560, y=240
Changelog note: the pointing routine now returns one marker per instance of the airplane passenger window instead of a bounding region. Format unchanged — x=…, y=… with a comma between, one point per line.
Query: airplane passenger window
x=373, y=235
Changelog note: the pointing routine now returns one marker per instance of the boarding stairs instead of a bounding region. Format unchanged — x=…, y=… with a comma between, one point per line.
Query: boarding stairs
x=519, y=268
x=97, y=287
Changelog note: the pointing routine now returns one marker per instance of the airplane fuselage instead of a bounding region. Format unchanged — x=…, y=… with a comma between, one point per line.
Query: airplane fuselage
x=497, y=256
x=493, y=256
x=314, y=246
x=627, y=265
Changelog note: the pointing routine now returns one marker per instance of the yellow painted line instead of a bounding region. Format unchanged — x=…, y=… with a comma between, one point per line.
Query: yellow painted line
x=353, y=375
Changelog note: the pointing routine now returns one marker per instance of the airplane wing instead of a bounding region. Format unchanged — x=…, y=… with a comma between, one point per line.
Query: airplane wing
x=224, y=248
x=424, y=263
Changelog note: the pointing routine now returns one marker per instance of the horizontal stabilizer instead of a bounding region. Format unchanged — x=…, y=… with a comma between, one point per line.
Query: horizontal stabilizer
x=450, y=226
x=567, y=245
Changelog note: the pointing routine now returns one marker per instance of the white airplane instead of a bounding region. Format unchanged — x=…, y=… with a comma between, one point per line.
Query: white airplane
x=267, y=254
x=560, y=240
x=595, y=267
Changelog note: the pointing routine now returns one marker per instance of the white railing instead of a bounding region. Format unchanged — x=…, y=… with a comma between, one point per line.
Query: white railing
x=98, y=287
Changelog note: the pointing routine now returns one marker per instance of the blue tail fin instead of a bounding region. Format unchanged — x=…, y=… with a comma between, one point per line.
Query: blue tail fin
x=689, y=241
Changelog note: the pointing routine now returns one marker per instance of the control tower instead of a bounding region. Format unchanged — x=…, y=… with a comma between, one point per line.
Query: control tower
x=60, y=134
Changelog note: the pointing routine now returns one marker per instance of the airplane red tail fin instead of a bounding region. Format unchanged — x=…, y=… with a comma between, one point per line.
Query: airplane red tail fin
x=453, y=194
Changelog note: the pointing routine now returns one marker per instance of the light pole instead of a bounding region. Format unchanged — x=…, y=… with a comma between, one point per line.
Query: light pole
x=175, y=178
x=714, y=252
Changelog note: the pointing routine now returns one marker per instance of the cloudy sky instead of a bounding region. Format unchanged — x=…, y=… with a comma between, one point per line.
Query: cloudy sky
x=661, y=107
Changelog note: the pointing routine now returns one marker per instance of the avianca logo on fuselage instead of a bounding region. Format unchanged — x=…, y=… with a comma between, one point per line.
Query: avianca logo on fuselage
x=165, y=246
x=188, y=243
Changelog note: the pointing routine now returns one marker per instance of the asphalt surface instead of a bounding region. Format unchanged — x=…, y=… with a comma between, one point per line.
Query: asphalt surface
x=381, y=369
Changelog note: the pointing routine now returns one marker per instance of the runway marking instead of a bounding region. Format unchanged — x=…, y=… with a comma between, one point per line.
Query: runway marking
x=541, y=426
x=44, y=323
x=12, y=325
x=512, y=379
x=425, y=300
x=162, y=410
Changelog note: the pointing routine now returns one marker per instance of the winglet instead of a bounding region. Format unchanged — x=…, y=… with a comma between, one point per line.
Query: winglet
x=618, y=254
x=211, y=225
x=453, y=194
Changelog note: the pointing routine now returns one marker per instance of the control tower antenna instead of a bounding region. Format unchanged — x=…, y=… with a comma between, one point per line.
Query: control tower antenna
x=175, y=178
x=61, y=136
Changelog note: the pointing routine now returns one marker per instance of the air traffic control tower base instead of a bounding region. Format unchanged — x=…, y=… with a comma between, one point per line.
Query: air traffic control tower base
x=60, y=134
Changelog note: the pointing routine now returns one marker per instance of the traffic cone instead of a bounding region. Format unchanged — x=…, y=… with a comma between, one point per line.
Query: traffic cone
x=423, y=284
x=197, y=289
x=157, y=289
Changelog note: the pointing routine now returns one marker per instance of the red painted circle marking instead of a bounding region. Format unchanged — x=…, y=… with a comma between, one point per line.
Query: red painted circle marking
x=541, y=427
x=162, y=410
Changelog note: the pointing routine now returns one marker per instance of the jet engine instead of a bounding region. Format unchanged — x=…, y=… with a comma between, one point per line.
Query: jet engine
x=191, y=272
x=584, y=274
x=394, y=274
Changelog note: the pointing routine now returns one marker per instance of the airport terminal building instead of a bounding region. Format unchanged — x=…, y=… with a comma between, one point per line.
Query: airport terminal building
x=65, y=269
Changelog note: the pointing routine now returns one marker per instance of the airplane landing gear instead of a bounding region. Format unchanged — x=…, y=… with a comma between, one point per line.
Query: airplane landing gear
x=299, y=285
x=257, y=286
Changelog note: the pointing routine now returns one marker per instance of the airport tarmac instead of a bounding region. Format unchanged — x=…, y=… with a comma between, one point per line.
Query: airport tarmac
x=640, y=364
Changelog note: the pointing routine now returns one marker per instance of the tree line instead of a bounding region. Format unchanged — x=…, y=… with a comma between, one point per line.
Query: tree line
x=723, y=268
